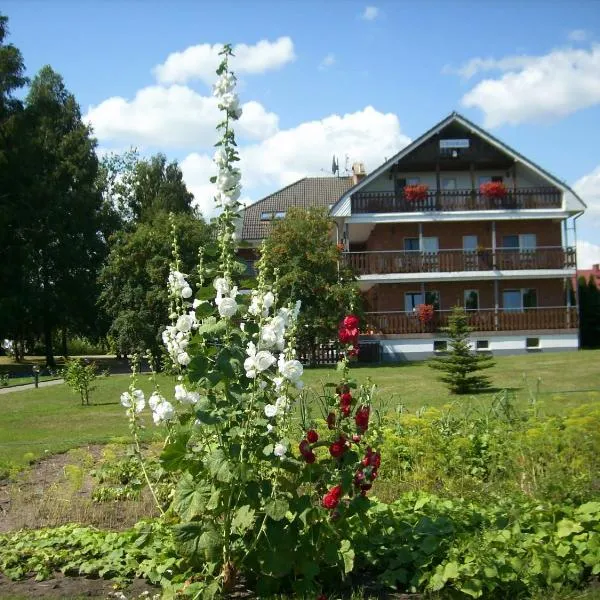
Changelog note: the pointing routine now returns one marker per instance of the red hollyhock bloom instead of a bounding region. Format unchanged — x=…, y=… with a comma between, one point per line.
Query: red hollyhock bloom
x=310, y=457
x=312, y=436
x=348, y=336
x=304, y=447
x=362, y=418
x=350, y=322
x=322, y=597
x=332, y=498
x=331, y=420
x=338, y=448
x=356, y=438
x=375, y=460
x=346, y=403
x=366, y=461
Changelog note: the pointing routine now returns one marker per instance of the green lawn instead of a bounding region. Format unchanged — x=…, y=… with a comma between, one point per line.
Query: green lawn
x=48, y=420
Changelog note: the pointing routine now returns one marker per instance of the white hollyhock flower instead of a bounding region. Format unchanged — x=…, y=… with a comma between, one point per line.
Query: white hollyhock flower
x=269, y=427
x=193, y=397
x=290, y=369
x=263, y=360
x=281, y=403
x=268, y=336
x=163, y=412
x=220, y=158
x=186, y=292
x=154, y=400
x=277, y=382
x=183, y=358
x=196, y=303
x=180, y=392
x=280, y=449
x=221, y=285
x=270, y=410
x=268, y=299
x=227, y=307
x=184, y=323
x=135, y=400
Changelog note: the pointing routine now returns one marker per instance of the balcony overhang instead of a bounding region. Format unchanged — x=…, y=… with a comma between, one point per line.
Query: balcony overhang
x=369, y=280
x=487, y=215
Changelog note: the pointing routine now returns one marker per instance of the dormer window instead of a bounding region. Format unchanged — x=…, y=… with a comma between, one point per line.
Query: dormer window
x=266, y=216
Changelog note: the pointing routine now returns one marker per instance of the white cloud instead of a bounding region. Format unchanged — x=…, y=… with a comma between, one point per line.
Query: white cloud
x=200, y=62
x=370, y=13
x=588, y=254
x=327, y=62
x=578, y=35
x=588, y=187
x=367, y=136
x=534, y=88
x=174, y=116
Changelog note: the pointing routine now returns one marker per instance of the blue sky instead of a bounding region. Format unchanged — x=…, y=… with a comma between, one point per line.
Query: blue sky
x=356, y=78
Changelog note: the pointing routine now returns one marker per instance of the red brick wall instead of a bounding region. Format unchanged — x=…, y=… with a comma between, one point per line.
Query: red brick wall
x=390, y=236
x=390, y=296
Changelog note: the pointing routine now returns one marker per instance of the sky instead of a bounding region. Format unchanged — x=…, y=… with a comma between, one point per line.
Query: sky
x=358, y=80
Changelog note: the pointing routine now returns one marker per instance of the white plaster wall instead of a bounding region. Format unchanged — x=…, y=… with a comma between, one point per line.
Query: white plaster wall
x=421, y=348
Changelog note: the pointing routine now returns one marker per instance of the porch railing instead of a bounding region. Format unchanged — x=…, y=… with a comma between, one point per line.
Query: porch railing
x=402, y=323
x=454, y=200
x=413, y=261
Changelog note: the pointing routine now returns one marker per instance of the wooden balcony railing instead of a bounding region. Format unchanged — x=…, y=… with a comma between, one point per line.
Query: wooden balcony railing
x=453, y=200
x=382, y=262
x=402, y=323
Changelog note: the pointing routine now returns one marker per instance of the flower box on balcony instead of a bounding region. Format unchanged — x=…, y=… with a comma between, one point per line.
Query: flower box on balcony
x=412, y=193
x=425, y=313
x=493, y=189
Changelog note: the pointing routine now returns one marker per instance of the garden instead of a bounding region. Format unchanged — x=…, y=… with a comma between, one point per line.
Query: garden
x=233, y=471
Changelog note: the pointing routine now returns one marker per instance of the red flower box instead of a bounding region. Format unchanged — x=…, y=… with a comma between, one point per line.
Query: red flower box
x=425, y=313
x=493, y=189
x=413, y=193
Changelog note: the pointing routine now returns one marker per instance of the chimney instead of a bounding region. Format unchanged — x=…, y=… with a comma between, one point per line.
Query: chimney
x=358, y=172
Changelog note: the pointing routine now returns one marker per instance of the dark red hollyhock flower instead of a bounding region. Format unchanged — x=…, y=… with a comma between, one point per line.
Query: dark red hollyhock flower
x=350, y=322
x=304, y=447
x=312, y=436
x=366, y=461
x=338, y=448
x=332, y=498
x=331, y=420
x=345, y=335
x=322, y=597
x=345, y=403
x=359, y=478
x=310, y=457
x=356, y=438
x=365, y=488
x=375, y=460
x=361, y=418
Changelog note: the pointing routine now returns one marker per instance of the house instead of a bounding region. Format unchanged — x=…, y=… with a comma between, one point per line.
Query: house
x=455, y=218
x=587, y=273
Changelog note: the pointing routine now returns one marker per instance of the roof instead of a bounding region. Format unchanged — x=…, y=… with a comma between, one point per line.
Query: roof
x=304, y=193
x=454, y=118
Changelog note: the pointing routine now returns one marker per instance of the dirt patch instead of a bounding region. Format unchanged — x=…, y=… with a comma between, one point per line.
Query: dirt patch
x=58, y=490
x=72, y=588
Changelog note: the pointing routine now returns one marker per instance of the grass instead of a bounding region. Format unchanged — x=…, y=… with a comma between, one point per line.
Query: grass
x=48, y=420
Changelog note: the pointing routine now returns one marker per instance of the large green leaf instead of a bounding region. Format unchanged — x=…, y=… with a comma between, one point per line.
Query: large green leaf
x=276, y=509
x=347, y=554
x=174, y=454
x=190, y=497
x=243, y=519
x=219, y=467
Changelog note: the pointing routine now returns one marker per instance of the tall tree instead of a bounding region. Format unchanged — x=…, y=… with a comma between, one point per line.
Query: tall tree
x=309, y=269
x=12, y=193
x=462, y=365
x=134, y=279
x=66, y=247
x=589, y=312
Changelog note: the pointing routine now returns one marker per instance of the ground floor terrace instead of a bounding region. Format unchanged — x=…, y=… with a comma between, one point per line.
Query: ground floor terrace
x=507, y=317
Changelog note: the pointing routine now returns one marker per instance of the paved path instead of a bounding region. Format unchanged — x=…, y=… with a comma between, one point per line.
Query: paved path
x=29, y=386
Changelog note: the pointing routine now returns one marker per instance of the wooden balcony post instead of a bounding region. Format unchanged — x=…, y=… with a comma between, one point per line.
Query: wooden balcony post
x=496, y=305
x=568, y=294
x=494, y=263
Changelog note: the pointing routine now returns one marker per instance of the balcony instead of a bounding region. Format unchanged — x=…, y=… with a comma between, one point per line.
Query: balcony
x=456, y=200
x=383, y=262
x=489, y=320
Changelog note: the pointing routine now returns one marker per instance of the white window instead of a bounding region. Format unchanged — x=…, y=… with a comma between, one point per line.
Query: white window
x=469, y=243
x=523, y=241
x=430, y=244
x=471, y=299
x=280, y=215
x=449, y=183
x=412, y=300
x=517, y=300
x=266, y=216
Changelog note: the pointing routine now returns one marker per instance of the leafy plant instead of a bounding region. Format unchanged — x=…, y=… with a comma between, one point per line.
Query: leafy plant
x=80, y=375
x=462, y=362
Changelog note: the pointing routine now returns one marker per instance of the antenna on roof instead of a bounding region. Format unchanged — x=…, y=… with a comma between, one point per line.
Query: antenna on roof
x=347, y=165
x=335, y=167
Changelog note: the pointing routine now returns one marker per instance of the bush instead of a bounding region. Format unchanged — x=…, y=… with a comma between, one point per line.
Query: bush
x=79, y=375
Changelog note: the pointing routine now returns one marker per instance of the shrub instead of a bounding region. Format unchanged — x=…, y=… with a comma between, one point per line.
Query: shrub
x=79, y=375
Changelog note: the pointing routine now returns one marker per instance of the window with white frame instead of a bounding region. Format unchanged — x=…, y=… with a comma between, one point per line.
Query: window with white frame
x=413, y=299
x=522, y=241
x=519, y=300
x=469, y=243
x=471, y=299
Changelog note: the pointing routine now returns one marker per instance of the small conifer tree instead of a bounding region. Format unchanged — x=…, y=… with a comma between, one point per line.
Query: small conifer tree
x=462, y=364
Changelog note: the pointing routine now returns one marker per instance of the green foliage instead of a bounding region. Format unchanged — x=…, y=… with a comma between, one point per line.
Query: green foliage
x=462, y=361
x=133, y=293
x=589, y=312
x=80, y=375
x=307, y=261
x=479, y=450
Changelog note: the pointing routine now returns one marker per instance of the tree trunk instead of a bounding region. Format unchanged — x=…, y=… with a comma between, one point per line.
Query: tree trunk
x=65, y=350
